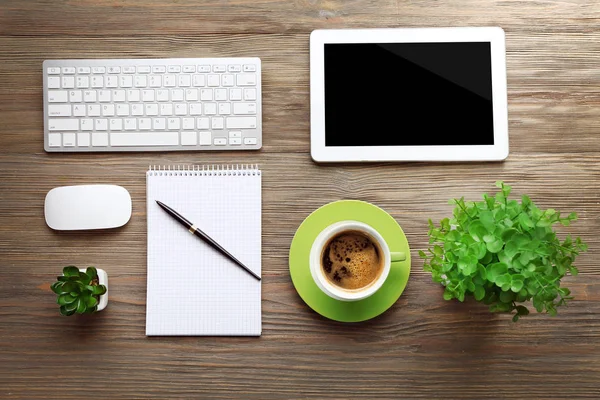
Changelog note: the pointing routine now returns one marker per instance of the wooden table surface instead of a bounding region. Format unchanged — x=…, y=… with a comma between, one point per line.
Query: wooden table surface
x=423, y=346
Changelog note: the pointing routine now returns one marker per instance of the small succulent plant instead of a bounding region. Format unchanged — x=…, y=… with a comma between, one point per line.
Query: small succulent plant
x=78, y=292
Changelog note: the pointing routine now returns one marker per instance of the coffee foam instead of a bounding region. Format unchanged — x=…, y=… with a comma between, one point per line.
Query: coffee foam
x=351, y=261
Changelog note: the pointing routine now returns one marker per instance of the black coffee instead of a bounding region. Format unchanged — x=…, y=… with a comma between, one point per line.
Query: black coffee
x=351, y=260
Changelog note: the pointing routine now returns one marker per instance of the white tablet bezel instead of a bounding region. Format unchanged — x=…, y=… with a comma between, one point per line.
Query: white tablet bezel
x=321, y=153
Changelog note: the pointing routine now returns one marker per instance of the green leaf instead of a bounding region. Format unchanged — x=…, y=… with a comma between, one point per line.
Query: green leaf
x=573, y=270
x=92, y=272
x=479, y=292
x=511, y=249
x=65, y=299
x=448, y=295
x=516, y=285
x=495, y=246
x=522, y=310
x=56, y=287
x=496, y=270
x=422, y=254
x=525, y=221
x=99, y=290
x=84, y=278
x=80, y=306
x=477, y=231
x=515, y=318
x=66, y=312
x=71, y=307
x=91, y=302
x=487, y=219
x=507, y=297
x=71, y=271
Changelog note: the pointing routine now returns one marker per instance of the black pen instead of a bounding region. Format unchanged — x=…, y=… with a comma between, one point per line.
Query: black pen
x=195, y=231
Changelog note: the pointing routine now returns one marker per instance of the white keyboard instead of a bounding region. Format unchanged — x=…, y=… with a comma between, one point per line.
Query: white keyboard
x=164, y=104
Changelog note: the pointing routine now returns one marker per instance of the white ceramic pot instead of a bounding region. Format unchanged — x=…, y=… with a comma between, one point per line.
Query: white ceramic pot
x=102, y=280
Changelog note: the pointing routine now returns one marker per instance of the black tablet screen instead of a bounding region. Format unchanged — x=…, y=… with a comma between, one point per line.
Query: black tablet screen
x=408, y=94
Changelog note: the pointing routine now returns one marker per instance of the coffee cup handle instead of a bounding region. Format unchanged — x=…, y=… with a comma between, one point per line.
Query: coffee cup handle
x=397, y=256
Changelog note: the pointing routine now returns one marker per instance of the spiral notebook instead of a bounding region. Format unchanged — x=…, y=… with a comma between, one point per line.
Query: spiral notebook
x=193, y=289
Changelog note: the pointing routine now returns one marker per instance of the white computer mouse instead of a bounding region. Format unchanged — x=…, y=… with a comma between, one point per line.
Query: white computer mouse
x=69, y=208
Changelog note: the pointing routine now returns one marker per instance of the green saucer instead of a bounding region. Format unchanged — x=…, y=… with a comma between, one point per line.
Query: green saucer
x=348, y=311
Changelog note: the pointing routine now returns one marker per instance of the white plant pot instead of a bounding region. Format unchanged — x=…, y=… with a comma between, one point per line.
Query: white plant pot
x=102, y=280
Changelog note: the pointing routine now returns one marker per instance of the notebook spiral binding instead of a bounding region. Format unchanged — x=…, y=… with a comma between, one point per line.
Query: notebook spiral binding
x=204, y=170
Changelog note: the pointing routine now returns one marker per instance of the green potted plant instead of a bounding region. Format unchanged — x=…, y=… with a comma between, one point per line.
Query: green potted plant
x=503, y=253
x=81, y=291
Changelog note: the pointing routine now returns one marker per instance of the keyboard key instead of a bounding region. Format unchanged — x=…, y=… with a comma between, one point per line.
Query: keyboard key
x=98, y=70
x=234, y=68
x=129, y=70
x=169, y=81
x=235, y=141
x=249, y=94
x=195, y=109
x=83, y=139
x=241, y=122
x=174, y=123
x=203, y=68
x=162, y=95
x=159, y=69
x=219, y=68
x=100, y=139
x=159, y=123
x=189, y=68
x=93, y=110
x=104, y=96
x=111, y=81
x=249, y=68
x=83, y=70
x=75, y=96
x=108, y=110
x=140, y=81
x=220, y=94
x=68, y=82
x=101, y=124
x=89, y=96
x=235, y=94
x=122, y=110
x=224, y=108
x=87, y=124
x=188, y=123
x=126, y=81
x=144, y=124
x=144, y=139
x=69, y=139
x=79, y=110
x=221, y=141
x=250, y=140
x=53, y=82
x=189, y=138
x=202, y=123
x=217, y=123
x=235, y=134
x=244, y=108
x=174, y=68
x=82, y=82
x=205, y=138
x=62, y=110
x=213, y=80
x=143, y=69
x=181, y=109
x=97, y=81
x=54, y=139
x=130, y=124
x=53, y=71
x=114, y=70
x=60, y=124
x=116, y=124
x=246, y=79
x=68, y=70
x=198, y=80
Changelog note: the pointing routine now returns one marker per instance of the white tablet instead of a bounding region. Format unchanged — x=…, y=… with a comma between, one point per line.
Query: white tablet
x=408, y=94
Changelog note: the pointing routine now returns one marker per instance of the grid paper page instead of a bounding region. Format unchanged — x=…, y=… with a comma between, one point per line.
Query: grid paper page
x=192, y=288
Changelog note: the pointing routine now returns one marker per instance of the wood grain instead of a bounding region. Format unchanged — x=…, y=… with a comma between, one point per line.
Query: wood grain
x=423, y=346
